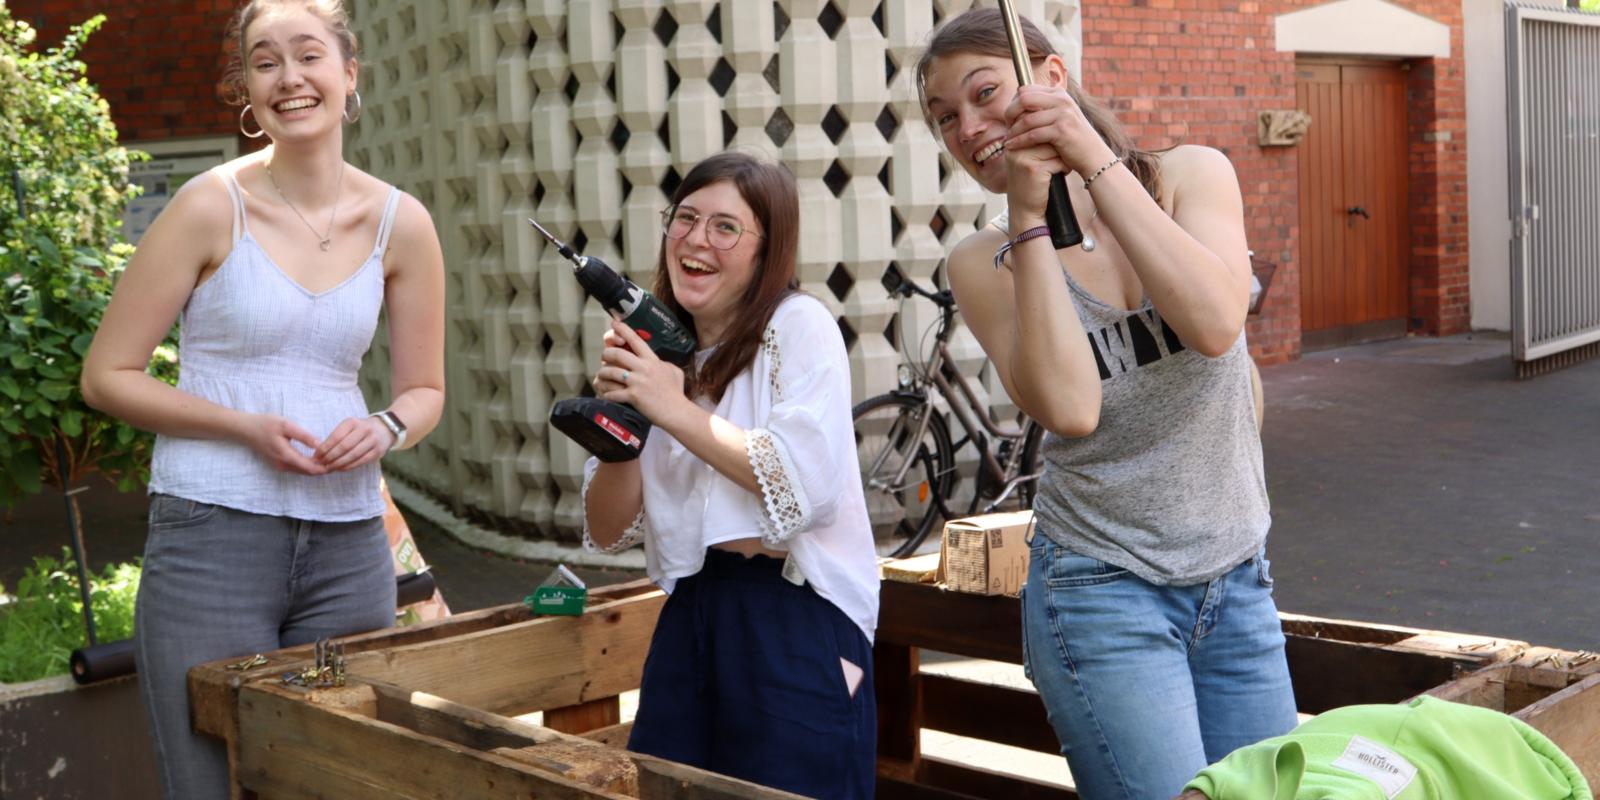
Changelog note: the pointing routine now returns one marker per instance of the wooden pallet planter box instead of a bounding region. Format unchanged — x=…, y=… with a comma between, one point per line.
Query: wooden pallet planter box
x=1332, y=663
x=429, y=711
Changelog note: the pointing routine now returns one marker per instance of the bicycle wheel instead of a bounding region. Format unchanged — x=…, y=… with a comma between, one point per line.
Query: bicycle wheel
x=904, y=500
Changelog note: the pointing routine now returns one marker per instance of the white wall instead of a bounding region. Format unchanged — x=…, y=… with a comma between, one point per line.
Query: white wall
x=1489, y=233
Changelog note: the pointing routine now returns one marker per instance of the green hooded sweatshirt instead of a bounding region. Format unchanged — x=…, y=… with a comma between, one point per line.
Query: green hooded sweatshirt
x=1427, y=749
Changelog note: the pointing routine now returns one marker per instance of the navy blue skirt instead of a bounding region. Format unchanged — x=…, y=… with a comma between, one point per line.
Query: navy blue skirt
x=744, y=678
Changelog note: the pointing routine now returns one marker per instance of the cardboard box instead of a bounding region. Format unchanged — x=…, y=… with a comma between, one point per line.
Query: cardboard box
x=986, y=554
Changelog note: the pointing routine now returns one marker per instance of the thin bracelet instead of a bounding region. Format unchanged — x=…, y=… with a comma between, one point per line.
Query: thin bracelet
x=1031, y=233
x=1101, y=171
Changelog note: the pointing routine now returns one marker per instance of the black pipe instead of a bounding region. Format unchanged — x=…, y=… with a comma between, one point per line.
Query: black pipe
x=75, y=536
x=413, y=587
x=103, y=661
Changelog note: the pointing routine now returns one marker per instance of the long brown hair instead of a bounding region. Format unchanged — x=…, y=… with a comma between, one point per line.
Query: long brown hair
x=769, y=190
x=331, y=12
x=982, y=31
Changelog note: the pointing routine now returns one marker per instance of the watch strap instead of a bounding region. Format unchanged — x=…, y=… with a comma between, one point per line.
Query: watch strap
x=391, y=421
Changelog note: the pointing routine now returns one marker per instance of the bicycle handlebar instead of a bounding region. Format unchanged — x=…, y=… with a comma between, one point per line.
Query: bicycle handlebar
x=898, y=283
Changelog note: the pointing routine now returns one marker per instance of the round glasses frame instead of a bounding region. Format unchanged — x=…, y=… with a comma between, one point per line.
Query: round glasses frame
x=669, y=220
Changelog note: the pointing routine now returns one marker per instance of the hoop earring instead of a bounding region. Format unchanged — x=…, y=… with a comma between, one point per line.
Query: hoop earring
x=347, y=117
x=259, y=132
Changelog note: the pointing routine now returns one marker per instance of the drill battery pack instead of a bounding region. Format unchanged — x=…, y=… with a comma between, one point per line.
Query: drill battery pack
x=611, y=431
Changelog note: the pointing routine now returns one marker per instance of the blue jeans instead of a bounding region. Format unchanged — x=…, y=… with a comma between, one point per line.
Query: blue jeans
x=220, y=583
x=1145, y=685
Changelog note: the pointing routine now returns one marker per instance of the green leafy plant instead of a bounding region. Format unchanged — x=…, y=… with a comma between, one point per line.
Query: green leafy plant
x=65, y=185
x=43, y=624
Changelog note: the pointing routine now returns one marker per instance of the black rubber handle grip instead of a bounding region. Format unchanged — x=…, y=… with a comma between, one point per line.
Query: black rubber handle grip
x=1064, y=230
x=102, y=661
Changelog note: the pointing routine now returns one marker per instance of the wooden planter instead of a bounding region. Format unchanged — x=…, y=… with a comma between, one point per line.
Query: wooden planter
x=70, y=742
x=427, y=710
x=1332, y=663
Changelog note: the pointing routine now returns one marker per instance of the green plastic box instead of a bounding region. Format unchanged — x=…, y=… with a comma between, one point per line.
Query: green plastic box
x=562, y=593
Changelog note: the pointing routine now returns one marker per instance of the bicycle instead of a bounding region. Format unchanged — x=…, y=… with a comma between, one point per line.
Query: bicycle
x=908, y=461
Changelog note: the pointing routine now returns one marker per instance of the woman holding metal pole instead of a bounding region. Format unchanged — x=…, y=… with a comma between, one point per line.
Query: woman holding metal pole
x=1148, y=622
x=266, y=514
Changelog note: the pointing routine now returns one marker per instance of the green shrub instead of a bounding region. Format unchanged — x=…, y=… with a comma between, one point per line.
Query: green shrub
x=60, y=251
x=41, y=627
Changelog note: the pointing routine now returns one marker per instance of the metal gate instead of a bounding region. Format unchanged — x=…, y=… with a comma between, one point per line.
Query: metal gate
x=1553, y=93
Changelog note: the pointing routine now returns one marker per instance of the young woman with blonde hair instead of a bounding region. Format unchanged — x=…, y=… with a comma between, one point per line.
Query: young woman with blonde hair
x=266, y=526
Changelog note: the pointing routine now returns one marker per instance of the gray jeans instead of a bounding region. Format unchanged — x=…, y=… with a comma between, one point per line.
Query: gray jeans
x=220, y=583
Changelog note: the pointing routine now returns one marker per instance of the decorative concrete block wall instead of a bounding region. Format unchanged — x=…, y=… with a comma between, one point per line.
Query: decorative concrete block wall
x=585, y=114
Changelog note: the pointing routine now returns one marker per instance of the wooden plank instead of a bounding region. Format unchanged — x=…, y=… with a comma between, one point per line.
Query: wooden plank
x=584, y=761
x=544, y=663
x=917, y=569
x=612, y=735
x=290, y=748
x=986, y=711
x=1328, y=673
x=976, y=782
x=1571, y=718
x=976, y=626
x=474, y=728
x=214, y=689
x=584, y=717
x=890, y=788
x=437, y=717
x=897, y=682
x=1485, y=688
x=663, y=780
x=1344, y=630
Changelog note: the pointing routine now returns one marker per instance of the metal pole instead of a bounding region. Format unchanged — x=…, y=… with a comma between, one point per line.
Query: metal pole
x=1059, y=217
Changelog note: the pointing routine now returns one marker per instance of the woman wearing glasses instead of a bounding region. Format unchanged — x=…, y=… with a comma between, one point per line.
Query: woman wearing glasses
x=748, y=500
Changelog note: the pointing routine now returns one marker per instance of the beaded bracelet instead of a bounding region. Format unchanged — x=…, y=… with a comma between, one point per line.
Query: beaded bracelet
x=1101, y=171
x=1031, y=233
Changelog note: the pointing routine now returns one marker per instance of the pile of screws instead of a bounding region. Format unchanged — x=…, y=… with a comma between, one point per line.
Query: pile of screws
x=326, y=670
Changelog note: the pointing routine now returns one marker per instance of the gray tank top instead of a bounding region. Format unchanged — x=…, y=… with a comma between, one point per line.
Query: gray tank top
x=254, y=340
x=1170, y=485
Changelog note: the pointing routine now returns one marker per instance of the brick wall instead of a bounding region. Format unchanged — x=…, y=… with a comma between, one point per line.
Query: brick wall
x=1198, y=72
x=157, y=62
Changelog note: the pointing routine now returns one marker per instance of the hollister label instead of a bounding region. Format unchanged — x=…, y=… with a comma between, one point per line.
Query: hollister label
x=1378, y=764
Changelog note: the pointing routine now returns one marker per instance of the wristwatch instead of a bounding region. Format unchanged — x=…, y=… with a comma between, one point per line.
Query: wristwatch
x=392, y=421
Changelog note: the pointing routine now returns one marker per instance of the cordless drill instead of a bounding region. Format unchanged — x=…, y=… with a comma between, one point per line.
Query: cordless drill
x=616, y=431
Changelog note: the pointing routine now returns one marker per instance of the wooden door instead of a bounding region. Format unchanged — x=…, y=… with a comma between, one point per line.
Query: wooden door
x=1354, y=214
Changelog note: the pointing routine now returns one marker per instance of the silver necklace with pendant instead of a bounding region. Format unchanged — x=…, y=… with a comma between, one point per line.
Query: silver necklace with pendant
x=1089, y=244
x=325, y=240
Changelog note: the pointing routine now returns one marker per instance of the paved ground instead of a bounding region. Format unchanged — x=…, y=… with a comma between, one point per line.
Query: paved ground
x=1413, y=482
x=1416, y=482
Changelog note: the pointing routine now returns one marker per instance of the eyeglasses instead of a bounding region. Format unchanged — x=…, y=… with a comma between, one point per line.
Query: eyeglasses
x=722, y=231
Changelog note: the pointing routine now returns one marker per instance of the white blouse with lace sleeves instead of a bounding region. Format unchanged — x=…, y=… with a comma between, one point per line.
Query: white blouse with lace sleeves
x=631, y=536
x=793, y=403
x=796, y=452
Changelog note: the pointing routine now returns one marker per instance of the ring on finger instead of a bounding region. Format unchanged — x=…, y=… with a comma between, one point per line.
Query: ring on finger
x=624, y=376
